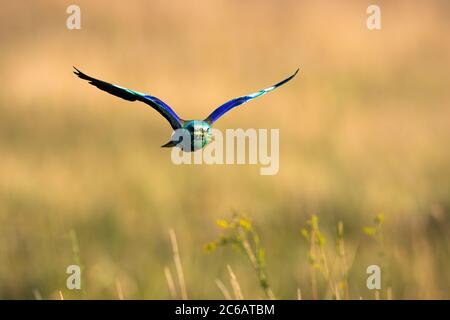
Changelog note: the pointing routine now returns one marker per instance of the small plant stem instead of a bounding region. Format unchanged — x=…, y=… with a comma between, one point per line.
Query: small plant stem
x=179, y=268
x=119, y=290
x=170, y=283
x=235, y=284
x=312, y=252
x=223, y=289
x=299, y=294
x=256, y=265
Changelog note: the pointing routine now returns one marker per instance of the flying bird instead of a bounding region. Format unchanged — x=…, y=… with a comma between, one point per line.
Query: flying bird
x=199, y=131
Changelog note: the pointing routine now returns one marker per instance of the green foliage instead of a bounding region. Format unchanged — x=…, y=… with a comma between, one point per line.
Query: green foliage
x=240, y=234
x=375, y=231
x=316, y=255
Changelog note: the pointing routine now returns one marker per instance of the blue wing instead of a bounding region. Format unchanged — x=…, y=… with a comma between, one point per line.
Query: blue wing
x=220, y=111
x=131, y=95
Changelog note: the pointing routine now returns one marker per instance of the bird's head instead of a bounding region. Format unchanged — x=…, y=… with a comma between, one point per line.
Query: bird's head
x=194, y=135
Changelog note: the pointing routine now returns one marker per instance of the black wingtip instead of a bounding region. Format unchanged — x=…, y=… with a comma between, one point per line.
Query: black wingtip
x=82, y=75
x=291, y=77
x=77, y=72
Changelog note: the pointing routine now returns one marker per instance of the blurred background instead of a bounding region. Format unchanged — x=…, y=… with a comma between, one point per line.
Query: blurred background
x=364, y=130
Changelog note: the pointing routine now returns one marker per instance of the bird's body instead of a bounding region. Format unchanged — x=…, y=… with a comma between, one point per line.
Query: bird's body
x=199, y=132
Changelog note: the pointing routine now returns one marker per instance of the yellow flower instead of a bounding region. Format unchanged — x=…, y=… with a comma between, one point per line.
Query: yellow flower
x=370, y=231
x=222, y=223
x=379, y=219
x=246, y=224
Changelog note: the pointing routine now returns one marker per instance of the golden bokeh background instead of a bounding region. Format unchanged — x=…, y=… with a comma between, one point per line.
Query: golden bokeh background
x=364, y=130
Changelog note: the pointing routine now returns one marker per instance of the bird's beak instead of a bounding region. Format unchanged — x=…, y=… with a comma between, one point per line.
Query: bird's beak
x=169, y=144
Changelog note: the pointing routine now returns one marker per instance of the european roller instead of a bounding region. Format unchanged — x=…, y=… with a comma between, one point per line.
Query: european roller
x=199, y=131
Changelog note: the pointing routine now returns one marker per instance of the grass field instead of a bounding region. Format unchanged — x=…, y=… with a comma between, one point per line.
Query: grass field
x=364, y=132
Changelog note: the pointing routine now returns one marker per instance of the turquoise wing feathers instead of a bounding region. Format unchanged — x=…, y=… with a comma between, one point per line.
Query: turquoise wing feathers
x=130, y=95
x=220, y=111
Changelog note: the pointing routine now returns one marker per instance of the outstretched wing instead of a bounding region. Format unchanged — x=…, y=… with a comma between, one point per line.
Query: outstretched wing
x=131, y=95
x=220, y=111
